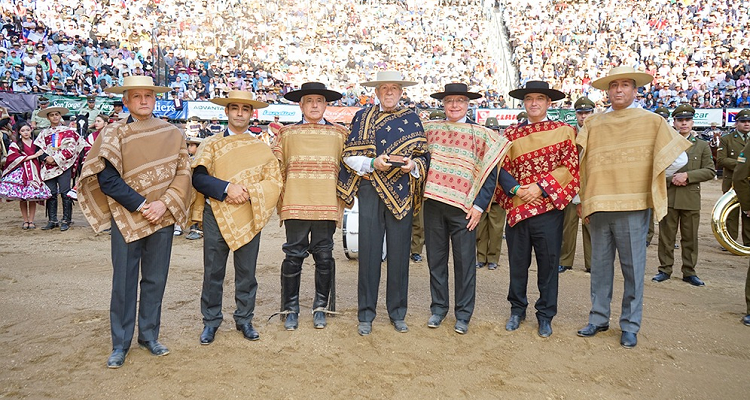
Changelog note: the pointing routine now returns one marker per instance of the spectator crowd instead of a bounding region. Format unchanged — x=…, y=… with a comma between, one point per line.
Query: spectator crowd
x=697, y=50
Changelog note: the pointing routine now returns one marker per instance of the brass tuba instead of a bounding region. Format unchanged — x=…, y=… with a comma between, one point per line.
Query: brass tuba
x=727, y=203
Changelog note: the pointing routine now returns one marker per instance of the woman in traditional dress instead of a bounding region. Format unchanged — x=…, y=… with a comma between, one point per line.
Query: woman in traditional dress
x=100, y=122
x=21, y=179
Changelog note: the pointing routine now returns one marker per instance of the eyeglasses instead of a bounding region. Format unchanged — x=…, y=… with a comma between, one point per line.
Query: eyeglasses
x=456, y=101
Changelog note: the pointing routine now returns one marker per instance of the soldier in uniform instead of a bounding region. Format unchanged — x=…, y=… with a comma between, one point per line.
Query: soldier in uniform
x=731, y=146
x=742, y=187
x=491, y=225
x=684, y=202
x=663, y=112
x=91, y=110
x=584, y=107
x=38, y=123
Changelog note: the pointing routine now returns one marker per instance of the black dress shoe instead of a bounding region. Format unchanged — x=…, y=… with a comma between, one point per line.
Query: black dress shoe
x=491, y=266
x=562, y=268
x=319, y=320
x=545, y=328
x=480, y=265
x=693, y=280
x=746, y=320
x=64, y=226
x=591, y=330
x=660, y=277
x=50, y=225
x=208, y=335
x=461, y=327
x=400, y=325
x=248, y=331
x=154, y=347
x=416, y=257
x=514, y=321
x=435, y=320
x=291, y=322
x=117, y=358
x=628, y=340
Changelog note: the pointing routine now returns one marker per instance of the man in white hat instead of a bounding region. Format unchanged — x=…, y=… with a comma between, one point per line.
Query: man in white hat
x=237, y=182
x=459, y=188
x=627, y=155
x=385, y=163
x=310, y=157
x=136, y=180
x=61, y=145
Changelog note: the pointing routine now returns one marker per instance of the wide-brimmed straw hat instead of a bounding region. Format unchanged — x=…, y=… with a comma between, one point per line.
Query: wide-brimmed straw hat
x=537, y=87
x=61, y=110
x=137, y=82
x=388, y=77
x=623, y=72
x=312, y=88
x=456, y=89
x=239, y=97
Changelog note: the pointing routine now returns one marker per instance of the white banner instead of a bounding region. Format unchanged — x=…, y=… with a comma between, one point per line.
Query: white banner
x=206, y=110
x=705, y=116
x=504, y=116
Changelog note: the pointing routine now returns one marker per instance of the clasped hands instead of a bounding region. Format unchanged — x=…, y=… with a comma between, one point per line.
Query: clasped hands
x=530, y=193
x=153, y=211
x=680, y=179
x=381, y=164
x=237, y=194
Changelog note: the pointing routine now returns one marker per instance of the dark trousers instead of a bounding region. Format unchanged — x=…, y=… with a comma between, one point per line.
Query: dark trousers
x=543, y=234
x=375, y=220
x=445, y=226
x=215, y=254
x=305, y=237
x=152, y=255
x=61, y=182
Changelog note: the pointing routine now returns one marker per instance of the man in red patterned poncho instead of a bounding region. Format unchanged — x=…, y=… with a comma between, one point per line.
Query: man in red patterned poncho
x=539, y=177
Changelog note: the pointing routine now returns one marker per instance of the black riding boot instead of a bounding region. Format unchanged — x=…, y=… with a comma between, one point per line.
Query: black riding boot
x=290, y=279
x=67, y=204
x=324, y=266
x=51, y=213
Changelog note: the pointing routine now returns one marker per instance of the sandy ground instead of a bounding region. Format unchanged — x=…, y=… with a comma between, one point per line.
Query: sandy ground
x=54, y=332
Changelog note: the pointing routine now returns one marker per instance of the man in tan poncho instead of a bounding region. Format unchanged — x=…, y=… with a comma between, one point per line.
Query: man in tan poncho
x=626, y=155
x=238, y=183
x=136, y=180
x=310, y=155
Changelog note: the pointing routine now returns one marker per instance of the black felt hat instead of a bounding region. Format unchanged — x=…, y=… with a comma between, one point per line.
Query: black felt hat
x=312, y=88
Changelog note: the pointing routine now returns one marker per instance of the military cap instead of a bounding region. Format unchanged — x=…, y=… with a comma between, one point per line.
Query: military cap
x=663, y=111
x=492, y=123
x=437, y=114
x=91, y=97
x=743, y=115
x=584, y=104
x=522, y=116
x=683, y=111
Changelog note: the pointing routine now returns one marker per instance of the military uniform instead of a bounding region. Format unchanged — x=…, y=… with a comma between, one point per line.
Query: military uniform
x=742, y=187
x=730, y=146
x=40, y=122
x=570, y=216
x=491, y=225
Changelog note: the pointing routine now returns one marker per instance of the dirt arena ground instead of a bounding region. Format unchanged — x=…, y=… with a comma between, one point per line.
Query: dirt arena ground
x=54, y=332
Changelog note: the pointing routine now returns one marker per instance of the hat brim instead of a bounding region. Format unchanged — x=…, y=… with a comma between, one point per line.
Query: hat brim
x=61, y=110
x=554, y=95
x=375, y=84
x=297, y=95
x=123, y=89
x=640, y=78
x=224, y=101
x=442, y=95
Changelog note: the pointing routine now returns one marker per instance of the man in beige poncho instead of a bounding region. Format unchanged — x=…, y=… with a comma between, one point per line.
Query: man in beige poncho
x=626, y=155
x=136, y=180
x=238, y=183
x=310, y=155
